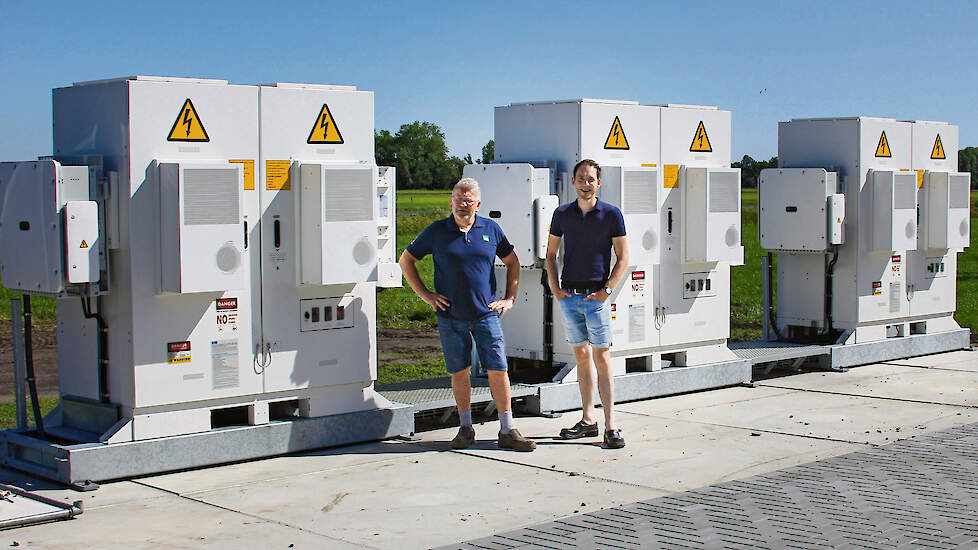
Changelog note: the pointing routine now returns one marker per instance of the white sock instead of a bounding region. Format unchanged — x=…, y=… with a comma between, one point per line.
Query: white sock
x=506, y=422
x=465, y=418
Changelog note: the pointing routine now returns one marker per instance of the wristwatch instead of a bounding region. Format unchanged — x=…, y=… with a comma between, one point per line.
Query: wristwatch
x=608, y=290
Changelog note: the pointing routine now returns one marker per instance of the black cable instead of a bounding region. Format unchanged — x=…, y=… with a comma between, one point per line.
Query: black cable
x=29, y=363
x=103, y=362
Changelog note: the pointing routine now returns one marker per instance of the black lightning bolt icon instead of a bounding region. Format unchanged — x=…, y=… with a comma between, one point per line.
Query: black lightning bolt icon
x=616, y=136
x=324, y=125
x=187, y=120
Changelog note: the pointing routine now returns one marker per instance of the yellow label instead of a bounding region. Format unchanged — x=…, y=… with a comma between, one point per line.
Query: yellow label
x=649, y=165
x=937, y=153
x=277, y=175
x=883, y=149
x=616, y=137
x=701, y=141
x=179, y=359
x=187, y=126
x=670, y=173
x=248, y=169
x=83, y=244
x=324, y=128
x=920, y=179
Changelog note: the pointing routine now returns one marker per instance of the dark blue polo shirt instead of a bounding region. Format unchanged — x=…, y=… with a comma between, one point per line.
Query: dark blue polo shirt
x=463, y=264
x=587, y=240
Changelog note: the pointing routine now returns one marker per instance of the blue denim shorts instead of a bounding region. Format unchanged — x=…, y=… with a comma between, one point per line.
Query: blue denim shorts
x=456, y=342
x=588, y=321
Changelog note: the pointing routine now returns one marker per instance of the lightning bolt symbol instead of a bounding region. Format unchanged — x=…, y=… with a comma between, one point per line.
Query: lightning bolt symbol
x=616, y=136
x=324, y=124
x=187, y=120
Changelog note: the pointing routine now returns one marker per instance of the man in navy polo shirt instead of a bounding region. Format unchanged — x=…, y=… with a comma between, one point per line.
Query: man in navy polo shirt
x=590, y=229
x=464, y=247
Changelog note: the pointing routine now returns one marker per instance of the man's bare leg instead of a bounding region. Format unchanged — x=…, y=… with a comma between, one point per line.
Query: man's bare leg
x=499, y=386
x=606, y=385
x=585, y=380
x=462, y=388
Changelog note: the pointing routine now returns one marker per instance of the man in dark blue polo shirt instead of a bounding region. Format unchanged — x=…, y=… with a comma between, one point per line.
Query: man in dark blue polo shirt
x=590, y=229
x=464, y=247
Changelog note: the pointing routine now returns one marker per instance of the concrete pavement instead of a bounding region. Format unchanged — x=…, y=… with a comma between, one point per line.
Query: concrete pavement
x=398, y=494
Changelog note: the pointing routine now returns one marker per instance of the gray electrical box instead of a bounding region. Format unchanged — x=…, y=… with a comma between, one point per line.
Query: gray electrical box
x=793, y=209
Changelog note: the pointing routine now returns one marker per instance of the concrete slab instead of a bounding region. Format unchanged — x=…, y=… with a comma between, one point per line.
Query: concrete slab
x=840, y=418
x=423, y=501
x=166, y=522
x=323, y=460
x=949, y=387
x=690, y=401
x=665, y=454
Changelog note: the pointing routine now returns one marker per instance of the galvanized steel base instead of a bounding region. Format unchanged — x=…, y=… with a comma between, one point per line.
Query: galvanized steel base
x=84, y=462
x=851, y=355
x=644, y=385
x=916, y=493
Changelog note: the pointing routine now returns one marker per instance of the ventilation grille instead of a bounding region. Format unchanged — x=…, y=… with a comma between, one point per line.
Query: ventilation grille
x=904, y=191
x=724, y=189
x=349, y=195
x=639, y=190
x=210, y=196
x=959, y=192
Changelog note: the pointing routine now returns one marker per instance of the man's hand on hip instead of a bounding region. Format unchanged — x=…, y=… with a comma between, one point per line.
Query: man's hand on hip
x=502, y=306
x=560, y=294
x=436, y=301
x=600, y=296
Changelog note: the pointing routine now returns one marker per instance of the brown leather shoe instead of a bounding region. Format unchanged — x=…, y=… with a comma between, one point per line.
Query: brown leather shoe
x=464, y=438
x=613, y=439
x=515, y=441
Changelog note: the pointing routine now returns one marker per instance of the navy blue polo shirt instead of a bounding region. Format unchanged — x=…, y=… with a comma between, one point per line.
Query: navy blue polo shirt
x=587, y=240
x=463, y=264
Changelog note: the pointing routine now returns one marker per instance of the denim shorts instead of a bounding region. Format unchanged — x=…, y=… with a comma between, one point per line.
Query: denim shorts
x=588, y=321
x=456, y=342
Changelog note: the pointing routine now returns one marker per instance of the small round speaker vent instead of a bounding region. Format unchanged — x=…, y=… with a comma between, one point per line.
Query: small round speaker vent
x=963, y=228
x=649, y=239
x=910, y=230
x=363, y=252
x=732, y=236
x=228, y=258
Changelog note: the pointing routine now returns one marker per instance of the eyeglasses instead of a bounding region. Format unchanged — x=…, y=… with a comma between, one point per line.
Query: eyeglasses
x=465, y=202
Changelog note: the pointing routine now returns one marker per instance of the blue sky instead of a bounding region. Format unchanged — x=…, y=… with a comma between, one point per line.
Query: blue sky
x=451, y=62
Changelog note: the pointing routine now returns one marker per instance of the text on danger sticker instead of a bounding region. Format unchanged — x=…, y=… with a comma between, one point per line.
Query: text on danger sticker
x=178, y=352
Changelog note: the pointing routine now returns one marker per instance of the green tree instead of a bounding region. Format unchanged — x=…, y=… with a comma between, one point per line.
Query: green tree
x=419, y=153
x=968, y=162
x=488, y=152
x=750, y=169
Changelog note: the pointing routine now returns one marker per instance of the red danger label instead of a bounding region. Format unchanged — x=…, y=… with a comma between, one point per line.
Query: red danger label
x=173, y=347
x=877, y=284
x=614, y=307
x=638, y=275
x=896, y=259
x=227, y=303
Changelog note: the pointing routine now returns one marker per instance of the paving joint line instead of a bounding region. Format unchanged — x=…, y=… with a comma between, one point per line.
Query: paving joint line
x=248, y=514
x=556, y=470
x=901, y=399
x=924, y=367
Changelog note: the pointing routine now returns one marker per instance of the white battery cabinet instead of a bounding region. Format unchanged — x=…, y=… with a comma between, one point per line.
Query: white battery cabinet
x=81, y=240
x=883, y=280
x=201, y=229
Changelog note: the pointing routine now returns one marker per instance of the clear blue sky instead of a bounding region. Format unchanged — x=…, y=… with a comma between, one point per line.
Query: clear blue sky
x=451, y=62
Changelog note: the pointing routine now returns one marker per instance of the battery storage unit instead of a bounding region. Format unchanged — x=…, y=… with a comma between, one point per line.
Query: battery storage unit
x=243, y=230
x=667, y=168
x=878, y=277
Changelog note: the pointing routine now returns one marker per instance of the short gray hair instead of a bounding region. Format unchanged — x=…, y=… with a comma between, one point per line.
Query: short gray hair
x=467, y=185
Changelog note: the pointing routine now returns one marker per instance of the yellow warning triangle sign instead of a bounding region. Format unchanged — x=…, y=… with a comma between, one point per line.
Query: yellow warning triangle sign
x=701, y=141
x=324, y=128
x=616, y=137
x=937, y=153
x=187, y=126
x=83, y=244
x=883, y=149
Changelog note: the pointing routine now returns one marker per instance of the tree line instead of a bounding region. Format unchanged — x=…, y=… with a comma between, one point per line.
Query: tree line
x=420, y=154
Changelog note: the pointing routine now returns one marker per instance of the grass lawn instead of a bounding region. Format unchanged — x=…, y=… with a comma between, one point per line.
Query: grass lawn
x=423, y=200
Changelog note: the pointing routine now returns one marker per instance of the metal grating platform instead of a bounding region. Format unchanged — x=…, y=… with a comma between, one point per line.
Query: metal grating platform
x=436, y=393
x=759, y=351
x=916, y=493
